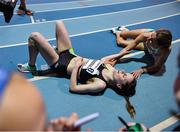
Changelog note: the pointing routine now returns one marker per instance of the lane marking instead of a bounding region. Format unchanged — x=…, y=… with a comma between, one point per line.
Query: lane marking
x=96, y=31
x=104, y=14
x=160, y=126
x=86, y=6
x=37, y=78
x=78, y=7
x=32, y=19
x=61, y=2
x=117, y=12
x=166, y=123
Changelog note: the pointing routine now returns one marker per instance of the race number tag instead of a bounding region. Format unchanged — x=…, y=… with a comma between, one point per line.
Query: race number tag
x=92, y=66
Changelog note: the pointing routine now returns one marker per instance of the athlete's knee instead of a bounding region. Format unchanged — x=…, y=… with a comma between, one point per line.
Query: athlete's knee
x=59, y=22
x=33, y=37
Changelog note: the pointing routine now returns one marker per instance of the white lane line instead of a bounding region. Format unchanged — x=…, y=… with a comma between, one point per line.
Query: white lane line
x=20, y=44
x=91, y=16
x=32, y=19
x=124, y=11
x=165, y=124
x=88, y=6
x=159, y=18
x=24, y=43
x=70, y=2
x=80, y=7
x=37, y=78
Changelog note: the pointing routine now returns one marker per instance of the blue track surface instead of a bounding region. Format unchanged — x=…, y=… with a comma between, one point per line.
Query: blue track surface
x=71, y=13
x=89, y=24
x=54, y=15
x=48, y=1
x=91, y=38
x=103, y=39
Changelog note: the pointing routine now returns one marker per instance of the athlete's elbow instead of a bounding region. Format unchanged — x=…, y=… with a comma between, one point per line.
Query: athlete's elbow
x=154, y=69
x=73, y=88
x=102, y=86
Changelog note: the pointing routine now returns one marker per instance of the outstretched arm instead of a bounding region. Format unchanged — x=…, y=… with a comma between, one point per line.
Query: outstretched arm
x=112, y=59
x=154, y=68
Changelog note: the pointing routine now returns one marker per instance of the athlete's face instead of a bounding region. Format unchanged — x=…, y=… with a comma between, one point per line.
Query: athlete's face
x=122, y=77
x=152, y=39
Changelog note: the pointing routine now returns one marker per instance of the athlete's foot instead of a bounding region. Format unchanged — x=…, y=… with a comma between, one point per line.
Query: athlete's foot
x=115, y=30
x=123, y=28
x=22, y=11
x=26, y=68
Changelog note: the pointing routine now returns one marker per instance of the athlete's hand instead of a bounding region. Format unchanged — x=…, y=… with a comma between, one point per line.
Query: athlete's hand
x=110, y=61
x=137, y=73
x=124, y=51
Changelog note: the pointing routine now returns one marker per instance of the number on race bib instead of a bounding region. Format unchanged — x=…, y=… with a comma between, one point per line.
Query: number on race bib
x=90, y=70
x=92, y=66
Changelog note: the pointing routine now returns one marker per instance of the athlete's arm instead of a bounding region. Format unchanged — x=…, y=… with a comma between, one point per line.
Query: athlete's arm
x=154, y=68
x=132, y=44
x=93, y=87
x=112, y=59
x=74, y=74
x=158, y=62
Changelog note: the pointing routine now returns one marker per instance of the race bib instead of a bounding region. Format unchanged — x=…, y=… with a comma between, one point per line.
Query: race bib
x=92, y=66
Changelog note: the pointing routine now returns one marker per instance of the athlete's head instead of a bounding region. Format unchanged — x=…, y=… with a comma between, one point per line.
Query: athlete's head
x=21, y=105
x=163, y=37
x=160, y=38
x=125, y=83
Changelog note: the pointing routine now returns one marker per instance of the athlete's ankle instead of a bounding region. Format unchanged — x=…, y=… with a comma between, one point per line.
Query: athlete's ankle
x=31, y=65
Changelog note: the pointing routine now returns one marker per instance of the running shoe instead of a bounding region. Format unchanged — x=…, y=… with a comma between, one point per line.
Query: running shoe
x=122, y=28
x=115, y=30
x=26, y=68
x=22, y=10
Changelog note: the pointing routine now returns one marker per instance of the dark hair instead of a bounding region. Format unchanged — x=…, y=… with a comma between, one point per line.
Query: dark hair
x=164, y=37
x=127, y=90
